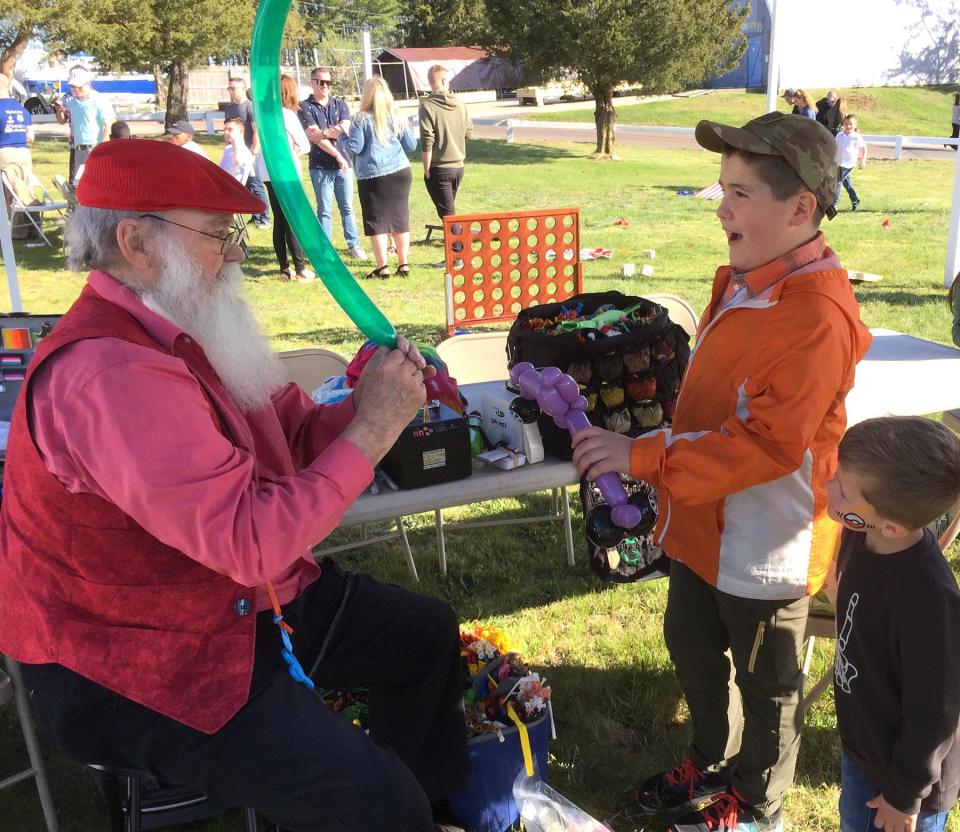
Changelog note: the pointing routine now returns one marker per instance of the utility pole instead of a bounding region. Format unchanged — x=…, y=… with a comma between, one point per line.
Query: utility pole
x=366, y=49
x=773, y=60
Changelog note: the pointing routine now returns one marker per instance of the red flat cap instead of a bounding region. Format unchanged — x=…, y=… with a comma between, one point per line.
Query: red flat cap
x=150, y=175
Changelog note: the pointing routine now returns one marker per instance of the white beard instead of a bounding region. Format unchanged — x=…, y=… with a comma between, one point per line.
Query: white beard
x=217, y=316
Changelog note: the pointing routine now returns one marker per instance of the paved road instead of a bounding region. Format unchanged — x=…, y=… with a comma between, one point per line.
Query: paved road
x=490, y=123
x=635, y=136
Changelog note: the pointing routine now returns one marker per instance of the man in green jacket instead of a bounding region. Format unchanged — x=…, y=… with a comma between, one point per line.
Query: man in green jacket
x=444, y=129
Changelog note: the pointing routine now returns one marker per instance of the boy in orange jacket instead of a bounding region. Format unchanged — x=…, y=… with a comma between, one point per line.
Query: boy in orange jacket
x=741, y=474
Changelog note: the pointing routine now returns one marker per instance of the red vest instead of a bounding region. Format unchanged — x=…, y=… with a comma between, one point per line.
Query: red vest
x=84, y=586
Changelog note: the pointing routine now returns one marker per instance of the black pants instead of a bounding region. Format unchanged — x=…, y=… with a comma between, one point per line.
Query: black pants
x=283, y=236
x=750, y=729
x=285, y=753
x=442, y=185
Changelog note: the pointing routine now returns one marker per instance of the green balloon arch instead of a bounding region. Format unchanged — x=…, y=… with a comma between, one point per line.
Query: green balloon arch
x=285, y=178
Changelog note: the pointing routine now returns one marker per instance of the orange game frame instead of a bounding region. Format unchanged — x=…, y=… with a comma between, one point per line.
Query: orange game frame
x=499, y=264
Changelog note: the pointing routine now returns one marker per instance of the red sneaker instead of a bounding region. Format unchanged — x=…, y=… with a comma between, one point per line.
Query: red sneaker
x=683, y=788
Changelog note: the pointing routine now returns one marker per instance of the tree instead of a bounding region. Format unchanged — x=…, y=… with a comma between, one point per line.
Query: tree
x=20, y=21
x=444, y=23
x=664, y=45
x=143, y=35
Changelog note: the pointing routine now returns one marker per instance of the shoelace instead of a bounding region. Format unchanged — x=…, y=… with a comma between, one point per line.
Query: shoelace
x=687, y=774
x=724, y=812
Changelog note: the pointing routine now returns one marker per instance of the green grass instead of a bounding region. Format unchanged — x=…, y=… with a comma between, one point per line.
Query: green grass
x=907, y=111
x=619, y=711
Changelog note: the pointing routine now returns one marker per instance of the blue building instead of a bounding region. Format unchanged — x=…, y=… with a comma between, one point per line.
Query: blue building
x=752, y=69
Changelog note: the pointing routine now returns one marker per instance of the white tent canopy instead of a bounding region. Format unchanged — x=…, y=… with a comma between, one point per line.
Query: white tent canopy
x=867, y=52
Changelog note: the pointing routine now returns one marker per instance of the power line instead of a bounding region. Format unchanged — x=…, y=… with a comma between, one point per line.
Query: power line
x=343, y=10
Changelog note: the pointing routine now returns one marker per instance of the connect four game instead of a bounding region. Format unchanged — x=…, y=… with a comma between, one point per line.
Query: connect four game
x=498, y=264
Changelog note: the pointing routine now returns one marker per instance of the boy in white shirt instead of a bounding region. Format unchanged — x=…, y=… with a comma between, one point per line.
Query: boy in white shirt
x=237, y=159
x=853, y=153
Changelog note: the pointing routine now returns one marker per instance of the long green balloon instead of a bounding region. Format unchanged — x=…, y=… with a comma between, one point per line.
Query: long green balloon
x=285, y=178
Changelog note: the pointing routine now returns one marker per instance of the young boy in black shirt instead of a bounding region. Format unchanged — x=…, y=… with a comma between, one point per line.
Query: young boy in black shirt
x=897, y=669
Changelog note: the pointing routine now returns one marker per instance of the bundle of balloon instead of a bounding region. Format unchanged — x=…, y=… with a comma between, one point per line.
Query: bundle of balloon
x=434, y=448
x=558, y=395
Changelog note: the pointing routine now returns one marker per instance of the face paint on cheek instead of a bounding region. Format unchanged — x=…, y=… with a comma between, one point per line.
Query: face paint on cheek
x=853, y=521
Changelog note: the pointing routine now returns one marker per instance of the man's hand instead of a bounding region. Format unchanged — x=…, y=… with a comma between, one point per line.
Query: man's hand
x=314, y=134
x=889, y=819
x=344, y=163
x=597, y=451
x=410, y=350
x=388, y=395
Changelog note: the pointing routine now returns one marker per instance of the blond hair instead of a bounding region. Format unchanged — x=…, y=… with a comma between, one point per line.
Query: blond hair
x=437, y=72
x=377, y=100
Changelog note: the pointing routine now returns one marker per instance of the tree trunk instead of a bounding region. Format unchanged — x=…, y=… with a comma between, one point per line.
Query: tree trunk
x=159, y=80
x=10, y=56
x=605, y=118
x=177, y=88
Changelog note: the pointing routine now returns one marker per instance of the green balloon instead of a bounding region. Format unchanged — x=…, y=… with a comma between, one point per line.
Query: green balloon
x=285, y=178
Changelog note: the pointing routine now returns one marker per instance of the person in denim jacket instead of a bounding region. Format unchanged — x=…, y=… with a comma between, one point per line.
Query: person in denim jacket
x=379, y=140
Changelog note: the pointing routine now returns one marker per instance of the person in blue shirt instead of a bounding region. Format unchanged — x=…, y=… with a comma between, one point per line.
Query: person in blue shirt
x=379, y=140
x=90, y=115
x=16, y=132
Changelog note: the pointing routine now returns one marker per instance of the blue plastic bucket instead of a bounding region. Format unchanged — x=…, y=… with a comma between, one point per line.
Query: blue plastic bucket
x=486, y=804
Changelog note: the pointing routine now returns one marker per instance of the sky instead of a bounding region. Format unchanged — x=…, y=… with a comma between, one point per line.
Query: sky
x=846, y=43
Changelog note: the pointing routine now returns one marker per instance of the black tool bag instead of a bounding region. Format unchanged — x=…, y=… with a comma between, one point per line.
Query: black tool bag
x=631, y=380
x=634, y=558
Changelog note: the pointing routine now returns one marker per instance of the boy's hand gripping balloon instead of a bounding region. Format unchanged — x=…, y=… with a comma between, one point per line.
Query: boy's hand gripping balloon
x=558, y=395
x=285, y=178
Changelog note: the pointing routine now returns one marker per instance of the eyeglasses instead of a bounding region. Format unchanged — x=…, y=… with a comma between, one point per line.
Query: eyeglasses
x=237, y=235
x=323, y=82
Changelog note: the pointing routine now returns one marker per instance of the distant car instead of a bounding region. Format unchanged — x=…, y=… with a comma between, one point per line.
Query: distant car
x=37, y=105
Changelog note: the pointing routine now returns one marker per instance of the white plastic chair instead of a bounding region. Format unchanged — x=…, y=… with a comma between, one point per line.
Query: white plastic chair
x=478, y=357
x=680, y=311
x=309, y=368
x=34, y=212
x=66, y=190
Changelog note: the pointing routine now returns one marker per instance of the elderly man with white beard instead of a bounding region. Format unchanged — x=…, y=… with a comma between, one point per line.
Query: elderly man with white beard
x=163, y=489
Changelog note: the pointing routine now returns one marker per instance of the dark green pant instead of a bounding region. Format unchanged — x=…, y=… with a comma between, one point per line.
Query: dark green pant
x=745, y=723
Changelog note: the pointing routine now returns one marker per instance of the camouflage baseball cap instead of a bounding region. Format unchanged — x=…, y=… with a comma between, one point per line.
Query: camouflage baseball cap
x=805, y=144
x=789, y=93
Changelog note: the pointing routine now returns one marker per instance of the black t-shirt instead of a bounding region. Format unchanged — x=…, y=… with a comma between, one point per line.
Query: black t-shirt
x=243, y=111
x=897, y=671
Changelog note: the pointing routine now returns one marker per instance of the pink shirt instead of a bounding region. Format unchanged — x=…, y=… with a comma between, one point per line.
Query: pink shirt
x=131, y=425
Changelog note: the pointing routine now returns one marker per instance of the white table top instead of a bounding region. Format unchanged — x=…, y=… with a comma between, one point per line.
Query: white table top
x=902, y=375
x=487, y=483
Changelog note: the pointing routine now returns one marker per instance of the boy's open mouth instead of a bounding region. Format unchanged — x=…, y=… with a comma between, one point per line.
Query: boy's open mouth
x=733, y=237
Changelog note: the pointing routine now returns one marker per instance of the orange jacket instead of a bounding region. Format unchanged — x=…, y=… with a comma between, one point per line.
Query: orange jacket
x=741, y=474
